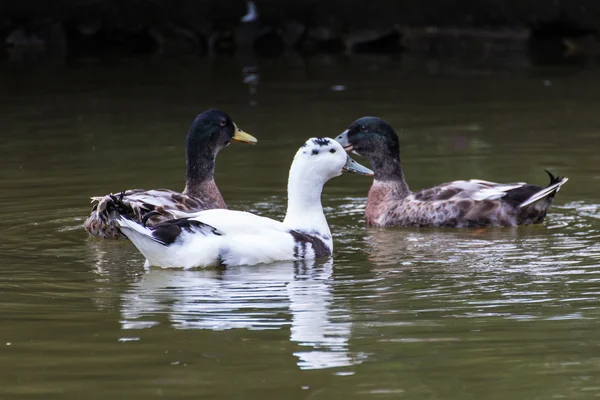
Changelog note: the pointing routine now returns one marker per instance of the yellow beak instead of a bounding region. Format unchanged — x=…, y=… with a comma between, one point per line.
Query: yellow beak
x=241, y=136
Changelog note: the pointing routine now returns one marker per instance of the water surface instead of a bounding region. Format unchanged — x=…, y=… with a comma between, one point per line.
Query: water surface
x=417, y=313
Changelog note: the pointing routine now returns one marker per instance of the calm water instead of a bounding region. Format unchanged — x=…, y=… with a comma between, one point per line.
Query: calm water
x=404, y=313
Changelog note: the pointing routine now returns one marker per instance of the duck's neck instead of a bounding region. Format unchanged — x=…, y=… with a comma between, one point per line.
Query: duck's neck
x=389, y=187
x=304, y=211
x=388, y=168
x=200, y=179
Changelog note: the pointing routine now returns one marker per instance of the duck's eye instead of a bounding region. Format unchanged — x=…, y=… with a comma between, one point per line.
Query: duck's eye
x=332, y=151
x=363, y=128
x=223, y=121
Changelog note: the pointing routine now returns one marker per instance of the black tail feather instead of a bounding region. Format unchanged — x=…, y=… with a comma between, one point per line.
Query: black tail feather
x=553, y=179
x=119, y=206
x=147, y=216
x=143, y=213
x=547, y=193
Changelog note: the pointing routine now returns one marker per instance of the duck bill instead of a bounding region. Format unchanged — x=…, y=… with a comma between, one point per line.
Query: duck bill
x=241, y=136
x=353, y=166
x=343, y=140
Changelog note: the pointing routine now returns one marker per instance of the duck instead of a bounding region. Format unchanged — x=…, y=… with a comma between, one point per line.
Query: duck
x=457, y=204
x=223, y=238
x=210, y=132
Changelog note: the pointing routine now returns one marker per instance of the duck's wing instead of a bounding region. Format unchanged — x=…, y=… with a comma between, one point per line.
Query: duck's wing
x=475, y=202
x=473, y=189
x=519, y=194
x=219, y=237
x=148, y=206
x=235, y=222
x=458, y=204
x=140, y=201
x=168, y=232
x=174, y=243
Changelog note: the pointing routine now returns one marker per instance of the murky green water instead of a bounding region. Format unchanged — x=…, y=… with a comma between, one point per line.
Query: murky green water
x=419, y=314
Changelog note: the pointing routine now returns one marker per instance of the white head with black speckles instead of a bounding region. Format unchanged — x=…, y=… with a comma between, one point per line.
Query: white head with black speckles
x=321, y=159
x=316, y=162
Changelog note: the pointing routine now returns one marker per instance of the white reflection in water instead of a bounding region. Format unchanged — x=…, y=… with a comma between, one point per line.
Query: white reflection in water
x=271, y=296
x=314, y=321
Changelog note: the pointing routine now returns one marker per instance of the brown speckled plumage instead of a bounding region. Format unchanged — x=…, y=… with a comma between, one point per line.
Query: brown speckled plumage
x=139, y=202
x=471, y=203
x=447, y=206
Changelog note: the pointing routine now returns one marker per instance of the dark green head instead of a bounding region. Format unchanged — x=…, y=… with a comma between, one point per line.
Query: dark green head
x=212, y=130
x=370, y=137
x=375, y=139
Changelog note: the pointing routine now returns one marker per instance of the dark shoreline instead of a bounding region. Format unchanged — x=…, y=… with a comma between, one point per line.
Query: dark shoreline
x=94, y=28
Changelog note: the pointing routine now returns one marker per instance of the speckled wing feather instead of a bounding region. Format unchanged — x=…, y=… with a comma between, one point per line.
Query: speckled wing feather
x=136, y=204
x=455, y=204
x=477, y=189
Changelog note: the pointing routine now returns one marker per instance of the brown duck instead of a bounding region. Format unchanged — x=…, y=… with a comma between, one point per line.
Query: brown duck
x=211, y=131
x=464, y=203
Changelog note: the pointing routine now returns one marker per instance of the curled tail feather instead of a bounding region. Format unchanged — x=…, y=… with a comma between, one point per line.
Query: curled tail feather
x=102, y=221
x=550, y=190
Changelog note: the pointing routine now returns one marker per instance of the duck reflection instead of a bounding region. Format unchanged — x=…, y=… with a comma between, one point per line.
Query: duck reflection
x=440, y=246
x=274, y=296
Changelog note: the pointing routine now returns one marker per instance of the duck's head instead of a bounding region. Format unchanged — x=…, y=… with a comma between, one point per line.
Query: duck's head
x=213, y=130
x=325, y=158
x=370, y=137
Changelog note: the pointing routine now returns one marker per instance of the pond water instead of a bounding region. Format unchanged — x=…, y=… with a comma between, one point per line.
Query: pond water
x=395, y=313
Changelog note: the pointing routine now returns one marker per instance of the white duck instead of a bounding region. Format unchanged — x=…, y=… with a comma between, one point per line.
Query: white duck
x=227, y=237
